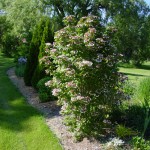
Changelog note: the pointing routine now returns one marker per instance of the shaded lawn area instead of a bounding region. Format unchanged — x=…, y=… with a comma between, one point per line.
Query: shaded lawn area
x=136, y=74
x=22, y=127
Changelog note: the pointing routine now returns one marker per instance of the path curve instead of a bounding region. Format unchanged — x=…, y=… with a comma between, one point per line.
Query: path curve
x=53, y=118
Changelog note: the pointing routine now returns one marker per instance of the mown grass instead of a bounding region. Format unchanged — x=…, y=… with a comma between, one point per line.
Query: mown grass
x=136, y=74
x=22, y=127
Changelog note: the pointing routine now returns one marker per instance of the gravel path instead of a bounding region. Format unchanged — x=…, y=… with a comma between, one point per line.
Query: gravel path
x=53, y=118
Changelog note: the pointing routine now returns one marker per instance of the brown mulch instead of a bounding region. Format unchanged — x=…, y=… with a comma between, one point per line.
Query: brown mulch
x=53, y=119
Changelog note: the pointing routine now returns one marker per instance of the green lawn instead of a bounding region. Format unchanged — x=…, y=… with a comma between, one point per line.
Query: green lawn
x=21, y=126
x=136, y=74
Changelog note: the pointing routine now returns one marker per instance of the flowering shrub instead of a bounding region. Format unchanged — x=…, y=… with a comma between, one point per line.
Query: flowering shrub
x=85, y=75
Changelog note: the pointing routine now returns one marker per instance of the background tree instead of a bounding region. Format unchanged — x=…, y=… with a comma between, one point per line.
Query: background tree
x=130, y=19
x=128, y=16
x=78, y=8
x=8, y=41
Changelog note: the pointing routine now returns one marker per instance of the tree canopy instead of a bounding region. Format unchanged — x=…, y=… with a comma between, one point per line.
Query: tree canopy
x=129, y=17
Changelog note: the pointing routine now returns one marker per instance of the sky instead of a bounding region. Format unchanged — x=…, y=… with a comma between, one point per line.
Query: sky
x=147, y=1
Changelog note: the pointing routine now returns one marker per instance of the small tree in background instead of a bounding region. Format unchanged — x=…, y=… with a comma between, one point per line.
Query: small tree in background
x=86, y=80
x=48, y=36
x=32, y=60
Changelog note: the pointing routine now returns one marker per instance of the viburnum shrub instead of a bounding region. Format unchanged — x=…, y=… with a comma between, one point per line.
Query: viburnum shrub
x=85, y=75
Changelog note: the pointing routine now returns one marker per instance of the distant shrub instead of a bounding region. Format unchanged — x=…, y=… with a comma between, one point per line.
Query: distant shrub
x=9, y=44
x=22, y=50
x=45, y=93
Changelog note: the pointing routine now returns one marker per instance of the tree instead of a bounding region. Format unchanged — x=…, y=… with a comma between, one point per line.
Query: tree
x=48, y=37
x=8, y=41
x=32, y=60
x=23, y=14
x=78, y=8
x=130, y=19
x=4, y=27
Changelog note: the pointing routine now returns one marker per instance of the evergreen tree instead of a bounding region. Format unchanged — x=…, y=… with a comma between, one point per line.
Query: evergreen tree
x=48, y=36
x=32, y=60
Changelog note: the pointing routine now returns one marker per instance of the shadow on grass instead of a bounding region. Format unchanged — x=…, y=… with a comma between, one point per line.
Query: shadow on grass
x=146, y=67
x=14, y=111
x=138, y=75
x=14, y=116
x=128, y=65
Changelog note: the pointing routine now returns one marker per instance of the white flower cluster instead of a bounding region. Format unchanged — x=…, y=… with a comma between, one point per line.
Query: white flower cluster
x=84, y=63
x=48, y=44
x=49, y=83
x=53, y=50
x=56, y=92
x=24, y=40
x=71, y=84
x=63, y=57
x=69, y=71
x=76, y=98
x=80, y=98
x=115, y=142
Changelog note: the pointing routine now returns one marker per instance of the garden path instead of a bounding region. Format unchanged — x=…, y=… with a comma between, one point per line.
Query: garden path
x=53, y=118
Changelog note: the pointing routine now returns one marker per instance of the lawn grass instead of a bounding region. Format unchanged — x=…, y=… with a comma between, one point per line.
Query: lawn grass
x=136, y=74
x=22, y=127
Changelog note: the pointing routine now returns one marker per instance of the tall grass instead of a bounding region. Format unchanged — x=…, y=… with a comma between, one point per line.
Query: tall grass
x=143, y=91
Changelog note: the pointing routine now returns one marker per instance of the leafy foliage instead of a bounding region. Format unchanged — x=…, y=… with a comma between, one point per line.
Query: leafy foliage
x=9, y=44
x=23, y=15
x=86, y=79
x=132, y=22
x=140, y=143
x=19, y=70
x=45, y=93
x=78, y=8
x=124, y=132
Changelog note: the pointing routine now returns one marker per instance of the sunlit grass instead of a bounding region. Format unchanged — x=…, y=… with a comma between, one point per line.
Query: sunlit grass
x=22, y=127
x=136, y=77
x=136, y=74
